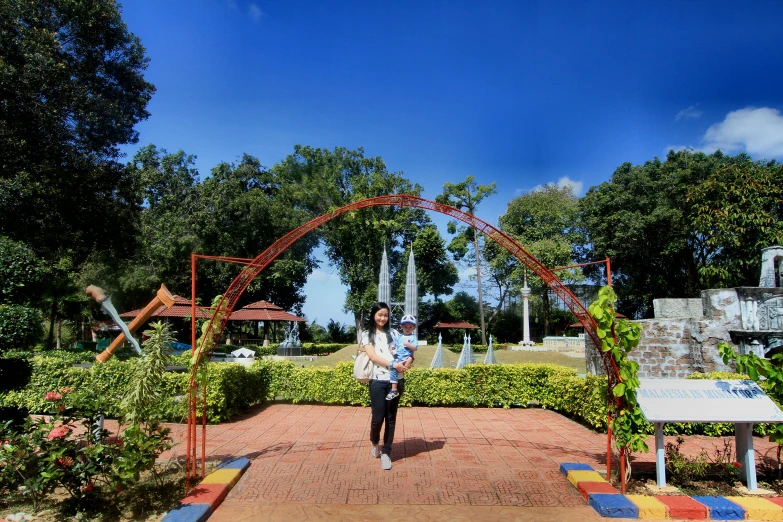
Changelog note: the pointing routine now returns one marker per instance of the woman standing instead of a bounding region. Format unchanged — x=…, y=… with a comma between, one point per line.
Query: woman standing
x=377, y=342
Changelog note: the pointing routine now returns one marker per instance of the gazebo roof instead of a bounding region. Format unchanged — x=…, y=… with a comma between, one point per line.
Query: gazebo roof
x=258, y=311
x=263, y=311
x=453, y=324
x=180, y=308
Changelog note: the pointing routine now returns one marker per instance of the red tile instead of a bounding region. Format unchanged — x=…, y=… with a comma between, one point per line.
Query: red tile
x=585, y=488
x=684, y=507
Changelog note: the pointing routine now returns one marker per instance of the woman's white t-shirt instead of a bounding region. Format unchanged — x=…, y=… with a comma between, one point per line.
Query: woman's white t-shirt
x=380, y=373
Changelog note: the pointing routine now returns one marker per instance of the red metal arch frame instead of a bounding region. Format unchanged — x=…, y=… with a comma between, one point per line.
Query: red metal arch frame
x=254, y=267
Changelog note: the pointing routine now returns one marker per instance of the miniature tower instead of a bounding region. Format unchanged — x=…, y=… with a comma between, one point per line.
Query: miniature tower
x=384, y=288
x=526, y=315
x=411, y=304
x=411, y=290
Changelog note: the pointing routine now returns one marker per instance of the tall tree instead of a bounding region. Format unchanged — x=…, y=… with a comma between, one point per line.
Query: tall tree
x=168, y=232
x=72, y=89
x=545, y=222
x=244, y=208
x=643, y=220
x=466, y=196
x=323, y=180
x=738, y=211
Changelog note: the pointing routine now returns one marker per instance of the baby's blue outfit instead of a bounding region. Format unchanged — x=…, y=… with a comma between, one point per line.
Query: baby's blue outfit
x=402, y=352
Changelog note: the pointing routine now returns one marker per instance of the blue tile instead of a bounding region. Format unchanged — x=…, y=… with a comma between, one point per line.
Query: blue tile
x=235, y=463
x=570, y=466
x=722, y=508
x=188, y=513
x=613, y=506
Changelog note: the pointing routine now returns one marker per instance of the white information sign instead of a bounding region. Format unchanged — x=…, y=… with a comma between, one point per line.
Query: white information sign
x=696, y=400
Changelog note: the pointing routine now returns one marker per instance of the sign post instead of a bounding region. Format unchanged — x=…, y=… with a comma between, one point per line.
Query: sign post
x=694, y=400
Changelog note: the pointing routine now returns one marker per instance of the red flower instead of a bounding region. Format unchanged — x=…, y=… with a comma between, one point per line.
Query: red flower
x=736, y=464
x=88, y=487
x=53, y=396
x=59, y=432
x=65, y=462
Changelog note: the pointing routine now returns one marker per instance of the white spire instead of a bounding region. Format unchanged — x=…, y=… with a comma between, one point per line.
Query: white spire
x=384, y=288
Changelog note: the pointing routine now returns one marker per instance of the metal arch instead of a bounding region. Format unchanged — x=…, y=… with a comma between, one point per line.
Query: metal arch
x=246, y=276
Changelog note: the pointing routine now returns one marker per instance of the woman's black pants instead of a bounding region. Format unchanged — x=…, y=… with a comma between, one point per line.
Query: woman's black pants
x=383, y=410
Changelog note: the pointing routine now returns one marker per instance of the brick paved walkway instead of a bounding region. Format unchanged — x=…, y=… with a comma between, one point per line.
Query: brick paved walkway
x=306, y=458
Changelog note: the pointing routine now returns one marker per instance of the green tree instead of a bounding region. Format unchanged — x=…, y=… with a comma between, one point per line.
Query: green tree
x=322, y=180
x=168, y=232
x=436, y=275
x=545, y=222
x=463, y=306
x=242, y=209
x=466, y=196
x=738, y=211
x=72, y=89
x=645, y=222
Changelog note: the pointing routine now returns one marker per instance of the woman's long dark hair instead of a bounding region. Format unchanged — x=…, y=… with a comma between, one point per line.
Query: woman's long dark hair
x=374, y=327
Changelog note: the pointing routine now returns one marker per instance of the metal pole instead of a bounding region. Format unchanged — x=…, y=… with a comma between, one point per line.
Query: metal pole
x=622, y=470
x=609, y=448
x=660, y=456
x=608, y=273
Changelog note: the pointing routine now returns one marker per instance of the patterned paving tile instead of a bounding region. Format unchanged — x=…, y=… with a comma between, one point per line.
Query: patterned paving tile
x=309, y=455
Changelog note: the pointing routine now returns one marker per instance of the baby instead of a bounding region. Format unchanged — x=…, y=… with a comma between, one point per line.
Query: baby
x=406, y=345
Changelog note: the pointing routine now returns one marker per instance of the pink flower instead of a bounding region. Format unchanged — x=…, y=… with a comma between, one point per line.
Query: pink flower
x=53, y=396
x=59, y=432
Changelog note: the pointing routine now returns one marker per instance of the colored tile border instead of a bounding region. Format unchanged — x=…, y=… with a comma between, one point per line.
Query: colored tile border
x=608, y=502
x=203, y=499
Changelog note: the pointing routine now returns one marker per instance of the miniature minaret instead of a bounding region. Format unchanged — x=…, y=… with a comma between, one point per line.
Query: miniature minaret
x=411, y=289
x=525, y=315
x=384, y=288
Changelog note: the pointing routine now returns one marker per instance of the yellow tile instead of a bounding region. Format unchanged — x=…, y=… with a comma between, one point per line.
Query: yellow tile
x=576, y=476
x=758, y=508
x=223, y=476
x=649, y=507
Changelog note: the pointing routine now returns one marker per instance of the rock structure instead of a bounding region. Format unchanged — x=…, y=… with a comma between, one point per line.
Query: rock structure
x=684, y=335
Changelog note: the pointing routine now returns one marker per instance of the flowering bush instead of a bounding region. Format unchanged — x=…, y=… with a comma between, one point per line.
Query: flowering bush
x=70, y=449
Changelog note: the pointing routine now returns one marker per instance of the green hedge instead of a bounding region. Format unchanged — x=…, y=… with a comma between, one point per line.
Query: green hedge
x=234, y=387
x=310, y=349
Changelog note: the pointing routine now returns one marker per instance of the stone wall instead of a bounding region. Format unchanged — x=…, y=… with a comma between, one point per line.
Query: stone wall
x=675, y=348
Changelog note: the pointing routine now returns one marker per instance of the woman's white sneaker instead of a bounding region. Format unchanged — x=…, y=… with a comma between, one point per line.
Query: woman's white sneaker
x=386, y=461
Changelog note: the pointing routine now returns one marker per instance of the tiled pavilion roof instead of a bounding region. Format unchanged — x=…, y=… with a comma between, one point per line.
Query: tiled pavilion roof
x=258, y=311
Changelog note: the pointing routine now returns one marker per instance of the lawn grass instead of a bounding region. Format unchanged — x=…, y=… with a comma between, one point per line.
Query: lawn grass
x=425, y=354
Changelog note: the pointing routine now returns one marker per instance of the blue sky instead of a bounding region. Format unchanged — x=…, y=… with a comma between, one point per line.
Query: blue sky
x=521, y=93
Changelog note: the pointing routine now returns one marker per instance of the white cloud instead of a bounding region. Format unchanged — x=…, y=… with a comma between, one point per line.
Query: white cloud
x=675, y=148
x=757, y=131
x=691, y=113
x=577, y=187
x=255, y=12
